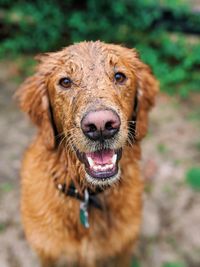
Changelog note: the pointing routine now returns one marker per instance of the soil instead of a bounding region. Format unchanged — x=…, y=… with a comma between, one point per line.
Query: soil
x=171, y=217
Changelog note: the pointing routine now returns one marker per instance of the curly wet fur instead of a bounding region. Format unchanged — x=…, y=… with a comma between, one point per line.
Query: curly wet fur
x=51, y=220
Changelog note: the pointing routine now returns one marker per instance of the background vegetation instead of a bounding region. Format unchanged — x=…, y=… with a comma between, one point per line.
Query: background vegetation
x=155, y=28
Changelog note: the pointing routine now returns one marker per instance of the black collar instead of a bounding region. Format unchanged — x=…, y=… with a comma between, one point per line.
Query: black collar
x=73, y=192
x=87, y=200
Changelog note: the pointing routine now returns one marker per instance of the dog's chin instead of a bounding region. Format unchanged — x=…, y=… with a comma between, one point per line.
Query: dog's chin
x=101, y=166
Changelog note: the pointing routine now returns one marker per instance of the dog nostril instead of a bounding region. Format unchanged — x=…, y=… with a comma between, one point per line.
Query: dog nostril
x=92, y=127
x=109, y=125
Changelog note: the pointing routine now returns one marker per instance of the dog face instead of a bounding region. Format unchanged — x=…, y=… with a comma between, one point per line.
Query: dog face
x=88, y=91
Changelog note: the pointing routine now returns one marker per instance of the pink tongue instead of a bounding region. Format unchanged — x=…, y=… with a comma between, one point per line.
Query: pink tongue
x=102, y=157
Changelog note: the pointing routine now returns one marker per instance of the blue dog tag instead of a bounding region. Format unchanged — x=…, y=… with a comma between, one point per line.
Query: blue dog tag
x=84, y=218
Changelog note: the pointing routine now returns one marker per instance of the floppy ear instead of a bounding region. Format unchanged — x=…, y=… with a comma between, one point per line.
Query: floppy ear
x=33, y=99
x=147, y=89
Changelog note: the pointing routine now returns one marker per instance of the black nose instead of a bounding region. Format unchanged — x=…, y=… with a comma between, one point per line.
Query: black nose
x=101, y=124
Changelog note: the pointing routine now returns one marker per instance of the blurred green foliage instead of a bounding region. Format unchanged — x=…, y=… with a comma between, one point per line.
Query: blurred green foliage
x=193, y=178
x=173, y=264
x=2, y=227
x=38, y=26
x=135, y=263
x=6, y=187
x=162, y=148
x=194, y=115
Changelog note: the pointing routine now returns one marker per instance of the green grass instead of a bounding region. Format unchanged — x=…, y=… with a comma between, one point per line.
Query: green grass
x=135, y=263
x=6, y=187
x=173, y=264
x=162, y=148
x=193, y=178
x=2, y=227
x=194, y=115
x=197, y=145
x=177, y=162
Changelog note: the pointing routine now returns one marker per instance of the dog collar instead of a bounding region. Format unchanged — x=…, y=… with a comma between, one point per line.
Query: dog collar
x=87, y=199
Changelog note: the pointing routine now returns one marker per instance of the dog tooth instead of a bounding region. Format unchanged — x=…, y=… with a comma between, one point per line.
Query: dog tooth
x=108, y=166
x=98, y=167
x=91, y=162
x=101, y=168
x=111, y=166
x=95, y=167
x=114, y=158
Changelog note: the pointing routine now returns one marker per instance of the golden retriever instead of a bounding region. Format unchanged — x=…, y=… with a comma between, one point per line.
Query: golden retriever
x=81, y=182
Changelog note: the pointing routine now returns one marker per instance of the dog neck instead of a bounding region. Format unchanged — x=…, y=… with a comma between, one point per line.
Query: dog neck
x=86, y=196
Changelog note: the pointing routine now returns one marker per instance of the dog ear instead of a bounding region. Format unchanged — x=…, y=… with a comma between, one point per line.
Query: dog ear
x=147, y=89
x=33, y=99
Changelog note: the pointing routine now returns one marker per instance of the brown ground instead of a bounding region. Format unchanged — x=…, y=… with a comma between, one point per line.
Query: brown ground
x=170, y=231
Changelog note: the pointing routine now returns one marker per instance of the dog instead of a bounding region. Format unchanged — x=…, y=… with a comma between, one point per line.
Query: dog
x=81, y=196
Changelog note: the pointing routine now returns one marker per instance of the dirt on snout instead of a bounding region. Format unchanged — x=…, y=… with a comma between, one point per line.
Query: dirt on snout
x=171, y=218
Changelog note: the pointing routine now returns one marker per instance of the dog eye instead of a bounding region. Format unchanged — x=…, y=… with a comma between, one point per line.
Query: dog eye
x=65, y=82
x=120, y=77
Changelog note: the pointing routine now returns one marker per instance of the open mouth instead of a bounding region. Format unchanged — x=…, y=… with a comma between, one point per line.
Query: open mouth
x=101, y=165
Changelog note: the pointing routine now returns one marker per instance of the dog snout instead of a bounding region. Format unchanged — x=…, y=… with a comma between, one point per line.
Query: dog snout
x=100, y=124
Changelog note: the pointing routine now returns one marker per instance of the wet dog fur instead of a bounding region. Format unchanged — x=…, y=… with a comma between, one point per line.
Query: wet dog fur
x=50, y=218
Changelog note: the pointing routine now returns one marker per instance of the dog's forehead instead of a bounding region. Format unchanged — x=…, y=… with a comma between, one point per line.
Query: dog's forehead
x=85, y=57
x=95, y=53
